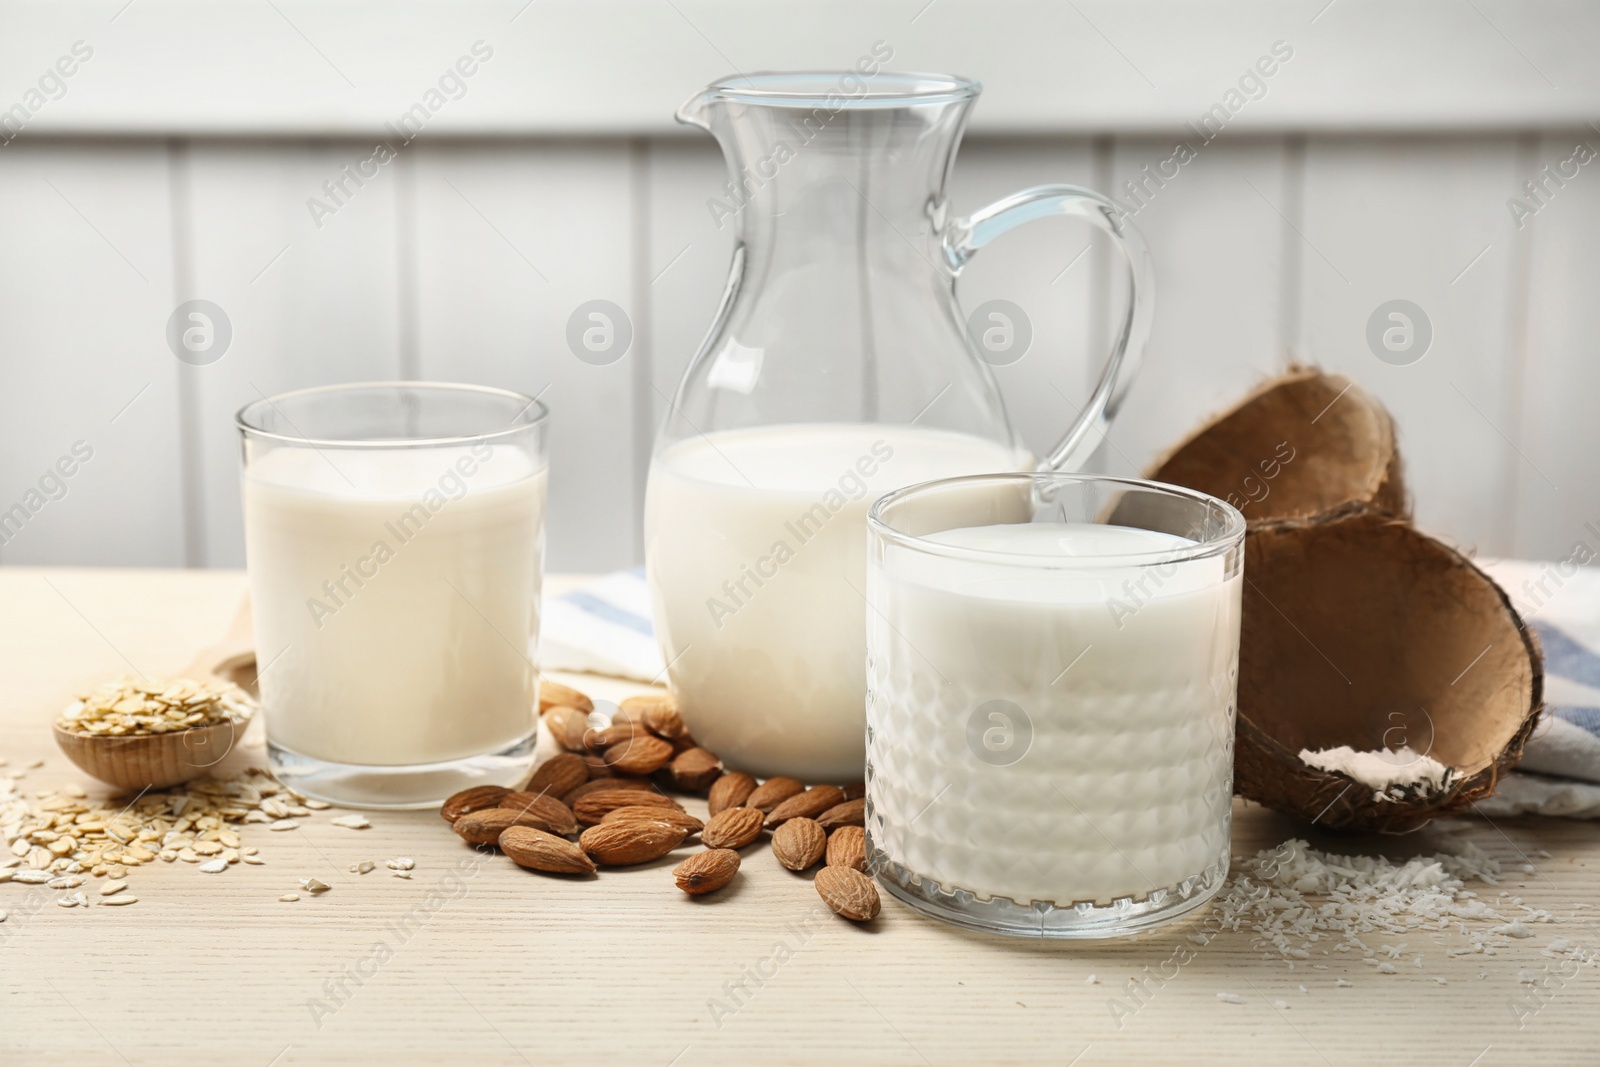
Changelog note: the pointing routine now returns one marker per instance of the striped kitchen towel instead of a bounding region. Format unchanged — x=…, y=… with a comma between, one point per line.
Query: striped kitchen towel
x=604, y=628
x=1560, y=769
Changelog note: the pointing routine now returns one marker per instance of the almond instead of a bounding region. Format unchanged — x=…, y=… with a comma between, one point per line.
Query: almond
x=706, y=872
x=602, y=785
x=485, y=827
x=477, y=798
x=694, y=770
x=810, y=804
x=639, y=754
x=850, y=813
x=568, y=725
x=553, y=694
x=640, y=703
x=855, y=790
x=598, y=740
x=670, y=816
x=732, y=828
x=597, y=805
x=539, y=851
x=596, y=765
x=622, y=844
x=558, y=775
x=799, y=843
x=557, y=816
x=847, y=847
x=664, y=721
x=774, y=791
x=732, y=790
x=848, y=892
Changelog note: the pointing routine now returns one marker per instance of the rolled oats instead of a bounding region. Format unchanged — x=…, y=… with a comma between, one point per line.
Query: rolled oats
x=127, y=707
x=63, y=835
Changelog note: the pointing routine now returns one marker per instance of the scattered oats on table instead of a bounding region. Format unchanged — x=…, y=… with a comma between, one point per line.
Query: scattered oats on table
x=61, y=835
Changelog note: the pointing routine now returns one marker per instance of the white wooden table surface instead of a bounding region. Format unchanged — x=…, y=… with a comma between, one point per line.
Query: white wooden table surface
x=512, y=967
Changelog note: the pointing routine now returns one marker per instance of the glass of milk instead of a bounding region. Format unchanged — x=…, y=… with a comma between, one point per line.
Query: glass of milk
x=394, y=534
x=1051, y=668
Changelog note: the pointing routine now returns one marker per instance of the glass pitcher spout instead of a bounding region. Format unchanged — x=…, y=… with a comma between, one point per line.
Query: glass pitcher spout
x=811, y=143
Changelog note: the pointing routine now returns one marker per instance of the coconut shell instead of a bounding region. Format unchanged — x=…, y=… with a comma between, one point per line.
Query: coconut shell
x=1360, y=630
x=1296, y=446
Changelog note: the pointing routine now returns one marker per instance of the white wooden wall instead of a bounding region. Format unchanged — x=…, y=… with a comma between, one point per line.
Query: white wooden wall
x=465, y=257
x=464, y=260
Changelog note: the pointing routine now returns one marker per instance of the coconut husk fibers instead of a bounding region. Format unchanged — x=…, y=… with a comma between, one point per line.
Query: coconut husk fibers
x=1360, y=630
x=1342, y=443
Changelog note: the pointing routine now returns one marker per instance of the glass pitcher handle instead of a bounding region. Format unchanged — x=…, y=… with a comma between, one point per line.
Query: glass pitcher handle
x=963, y=237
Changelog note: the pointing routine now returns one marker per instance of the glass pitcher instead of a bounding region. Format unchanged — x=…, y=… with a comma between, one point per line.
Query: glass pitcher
x=837, y=369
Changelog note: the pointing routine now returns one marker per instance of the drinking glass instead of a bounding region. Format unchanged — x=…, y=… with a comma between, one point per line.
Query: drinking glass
x=1051, y=665
x=394, y=534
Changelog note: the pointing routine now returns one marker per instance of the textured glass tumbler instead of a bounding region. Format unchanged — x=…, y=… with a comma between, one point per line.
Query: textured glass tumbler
x=394, y=534
x=1052, y=662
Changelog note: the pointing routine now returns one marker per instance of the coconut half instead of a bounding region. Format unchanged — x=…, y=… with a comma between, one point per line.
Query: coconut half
x=1361, y=631
x=1296, y=446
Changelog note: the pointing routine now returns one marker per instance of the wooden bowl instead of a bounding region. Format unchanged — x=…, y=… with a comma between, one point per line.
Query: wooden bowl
x=156, y=761
x=151, y=761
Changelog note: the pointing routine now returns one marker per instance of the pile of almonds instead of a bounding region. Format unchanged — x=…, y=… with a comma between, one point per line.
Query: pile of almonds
x=606, y=802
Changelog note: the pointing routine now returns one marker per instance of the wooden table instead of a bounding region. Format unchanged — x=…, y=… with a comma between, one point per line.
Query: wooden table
x=511, y=967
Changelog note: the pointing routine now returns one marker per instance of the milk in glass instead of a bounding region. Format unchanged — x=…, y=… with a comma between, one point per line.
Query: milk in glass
x=396, y=598
x=1053, y=733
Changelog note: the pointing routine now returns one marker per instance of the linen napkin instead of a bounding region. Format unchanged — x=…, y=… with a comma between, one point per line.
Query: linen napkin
x=1560, y=769
x=603, y=628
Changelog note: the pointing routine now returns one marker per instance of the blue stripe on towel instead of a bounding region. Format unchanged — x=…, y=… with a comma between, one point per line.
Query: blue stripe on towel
x=602, y=609
x=1587, y=718
x=1567, y=658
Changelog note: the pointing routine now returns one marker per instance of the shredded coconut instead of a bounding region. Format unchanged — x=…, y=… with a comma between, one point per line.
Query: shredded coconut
x=1297, y=900
x=1392, y=774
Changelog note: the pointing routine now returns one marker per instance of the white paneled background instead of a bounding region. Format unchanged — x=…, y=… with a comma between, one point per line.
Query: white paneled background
x=464, y=258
